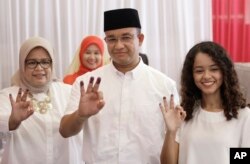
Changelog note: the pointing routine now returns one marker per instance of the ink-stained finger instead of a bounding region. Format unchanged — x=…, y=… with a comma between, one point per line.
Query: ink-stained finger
x=165, y=103
x=90, y=85
x=82, y=90
x=172, y=101
x=19, y=95
x=25, y=95
x=97, y=84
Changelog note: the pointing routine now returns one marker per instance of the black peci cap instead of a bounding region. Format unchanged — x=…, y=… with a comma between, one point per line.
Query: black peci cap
x=121, y=18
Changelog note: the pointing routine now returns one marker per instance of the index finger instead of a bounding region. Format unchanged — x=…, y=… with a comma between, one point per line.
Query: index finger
x=82, y=90
x=165, y=103
x=25, y=95
x=11, y=100
x=19, y=94
x=97, y=84
x=172, y=101
x=90, y=85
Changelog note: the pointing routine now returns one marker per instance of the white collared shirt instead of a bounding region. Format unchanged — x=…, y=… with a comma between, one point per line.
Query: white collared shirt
x=130, y=127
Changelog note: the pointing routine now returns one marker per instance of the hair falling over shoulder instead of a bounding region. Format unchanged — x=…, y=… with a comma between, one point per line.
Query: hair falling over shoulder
x=232, y=97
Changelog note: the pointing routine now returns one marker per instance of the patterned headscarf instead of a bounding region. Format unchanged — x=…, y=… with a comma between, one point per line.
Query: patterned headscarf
x=19, y=78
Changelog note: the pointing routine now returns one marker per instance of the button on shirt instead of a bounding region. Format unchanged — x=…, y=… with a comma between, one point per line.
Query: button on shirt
x=130, y=127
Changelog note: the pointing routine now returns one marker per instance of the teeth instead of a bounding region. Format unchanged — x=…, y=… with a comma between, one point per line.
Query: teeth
x=208, y=83
x=38, y=75
x=91, y=62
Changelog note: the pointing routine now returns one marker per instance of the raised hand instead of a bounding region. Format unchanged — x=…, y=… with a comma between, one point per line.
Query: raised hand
x=91, y=101
x=173, y=116
x=21, y=109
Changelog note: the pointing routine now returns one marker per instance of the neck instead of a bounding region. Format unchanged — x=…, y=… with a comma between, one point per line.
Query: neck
x=126, y=68
x=212, y=103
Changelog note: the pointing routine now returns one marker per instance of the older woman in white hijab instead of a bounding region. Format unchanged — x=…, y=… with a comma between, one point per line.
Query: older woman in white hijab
x=30, y=110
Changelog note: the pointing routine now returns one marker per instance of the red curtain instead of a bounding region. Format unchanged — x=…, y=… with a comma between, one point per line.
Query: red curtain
x=231, y=27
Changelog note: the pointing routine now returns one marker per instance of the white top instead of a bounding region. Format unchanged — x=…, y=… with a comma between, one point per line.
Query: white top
x=130, y=128
x=208, y=137
x=37, y=140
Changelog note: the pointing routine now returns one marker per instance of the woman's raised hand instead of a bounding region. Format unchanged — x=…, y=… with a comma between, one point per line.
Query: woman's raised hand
x=173, y=115
x=21, y=109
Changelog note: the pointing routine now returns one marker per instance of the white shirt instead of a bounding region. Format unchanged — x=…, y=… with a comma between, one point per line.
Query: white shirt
x=130, y=128
x=37, y=140
x=208, y=137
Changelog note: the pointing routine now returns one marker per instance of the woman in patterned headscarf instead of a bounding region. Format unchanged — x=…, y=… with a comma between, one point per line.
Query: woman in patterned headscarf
x=88, y=57
x=31, y=109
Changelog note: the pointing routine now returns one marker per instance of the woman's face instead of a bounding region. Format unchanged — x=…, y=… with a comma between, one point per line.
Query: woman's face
x=38, y=67
x=92, y=57
x=207, y=75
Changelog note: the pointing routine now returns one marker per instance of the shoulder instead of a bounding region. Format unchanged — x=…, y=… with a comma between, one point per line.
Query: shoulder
x=244, y=118
x=60, y=86
x=159, y=76
x=99, y=72
x=101, y=69
x=4, y=94
x=244, y=112
x=9, y=90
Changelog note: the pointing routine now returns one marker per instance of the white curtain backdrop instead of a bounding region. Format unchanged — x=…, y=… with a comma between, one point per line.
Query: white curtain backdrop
x=171, y=28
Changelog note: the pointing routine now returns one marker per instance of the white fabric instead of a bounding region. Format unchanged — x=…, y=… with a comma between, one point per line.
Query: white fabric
x=171, y=28
x=37, y=140
x=208, y=137
x=130, y=128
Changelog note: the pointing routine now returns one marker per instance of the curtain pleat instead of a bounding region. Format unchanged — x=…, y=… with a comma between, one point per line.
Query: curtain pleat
x=171, y=28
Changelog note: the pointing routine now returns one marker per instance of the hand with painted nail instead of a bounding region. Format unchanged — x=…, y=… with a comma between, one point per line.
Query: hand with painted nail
x=21, y=109
x=91, y=100
x=173, y=116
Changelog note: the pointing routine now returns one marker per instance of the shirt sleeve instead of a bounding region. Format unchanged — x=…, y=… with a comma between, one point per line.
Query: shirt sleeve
x=246, y=131
x=5, y=110
x=177, y=137
x=176, y=95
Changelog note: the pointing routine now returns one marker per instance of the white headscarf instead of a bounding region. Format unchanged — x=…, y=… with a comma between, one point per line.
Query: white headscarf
x=19, y=78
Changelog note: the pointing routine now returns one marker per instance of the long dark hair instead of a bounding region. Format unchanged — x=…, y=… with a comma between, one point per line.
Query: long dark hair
x=232, y=98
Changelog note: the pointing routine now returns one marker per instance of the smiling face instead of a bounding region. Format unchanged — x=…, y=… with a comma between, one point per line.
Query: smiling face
x=92, y=57
x=123, y=46
x=207, y=75
x=41, y=74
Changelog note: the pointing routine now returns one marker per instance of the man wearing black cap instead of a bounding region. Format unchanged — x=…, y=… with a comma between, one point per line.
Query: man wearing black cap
x=129, y=128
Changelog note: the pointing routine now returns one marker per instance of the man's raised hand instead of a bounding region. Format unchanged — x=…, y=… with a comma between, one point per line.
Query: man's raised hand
x=91, y=100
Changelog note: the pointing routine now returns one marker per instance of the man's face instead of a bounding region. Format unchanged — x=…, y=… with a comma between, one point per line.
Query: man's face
x=123, y=46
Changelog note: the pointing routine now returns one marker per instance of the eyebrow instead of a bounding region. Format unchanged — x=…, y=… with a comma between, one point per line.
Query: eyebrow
x=124, y=34
x=213, y=65
x=38, y=59
x=127, y=34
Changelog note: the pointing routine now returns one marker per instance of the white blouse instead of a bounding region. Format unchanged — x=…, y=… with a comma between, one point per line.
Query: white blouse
x=208, y=137
x=37, y=140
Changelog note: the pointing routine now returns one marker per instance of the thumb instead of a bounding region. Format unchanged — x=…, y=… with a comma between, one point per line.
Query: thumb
x=11, y=100
x=100, y=104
